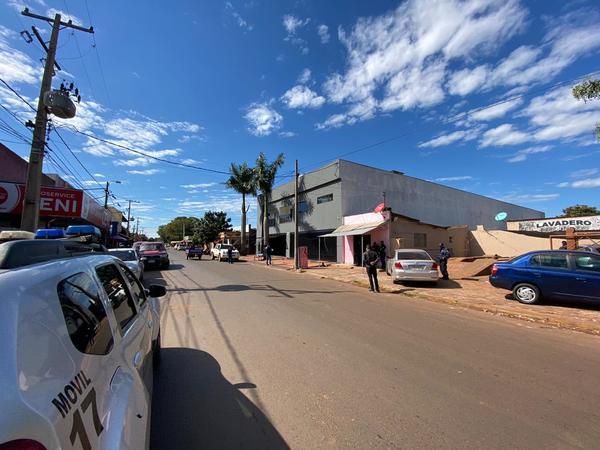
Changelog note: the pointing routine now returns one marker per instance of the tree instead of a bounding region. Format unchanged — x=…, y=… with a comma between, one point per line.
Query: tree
x=588, y=90
x=208, y=227
x=173, y=231
x=242, y=181
x=580, y=211
x=265, y=178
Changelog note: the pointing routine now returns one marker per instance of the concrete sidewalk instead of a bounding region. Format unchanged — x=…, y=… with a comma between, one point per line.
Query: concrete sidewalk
x=474, y=293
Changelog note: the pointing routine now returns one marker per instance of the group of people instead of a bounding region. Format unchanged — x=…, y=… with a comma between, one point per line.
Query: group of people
x=375, y=255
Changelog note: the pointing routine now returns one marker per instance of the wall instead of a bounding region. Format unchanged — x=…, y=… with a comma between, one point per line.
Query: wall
x=504, y=243
x=454, y=238
x=429, y=202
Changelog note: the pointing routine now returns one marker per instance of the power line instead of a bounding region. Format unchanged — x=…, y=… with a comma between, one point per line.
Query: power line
x=18, y=95
x=95, y=46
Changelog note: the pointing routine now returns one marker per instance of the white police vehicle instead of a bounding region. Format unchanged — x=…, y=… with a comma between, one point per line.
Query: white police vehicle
x=80, y=336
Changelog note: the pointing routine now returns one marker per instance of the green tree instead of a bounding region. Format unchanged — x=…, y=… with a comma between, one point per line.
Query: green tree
x=208, y=227
x=580, y=211
x=173, y=231
x=265, y=178
x=242, y=181
x=588, y=90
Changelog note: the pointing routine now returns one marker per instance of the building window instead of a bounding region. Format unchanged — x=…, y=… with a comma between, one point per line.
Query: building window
x=324, y=199
x=420, y=240
x=85, y=315
x=285, y=218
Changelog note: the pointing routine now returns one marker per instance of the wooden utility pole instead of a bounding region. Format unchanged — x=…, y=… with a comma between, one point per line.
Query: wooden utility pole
x=31, y=203
x=296, y=256
x=129, y=213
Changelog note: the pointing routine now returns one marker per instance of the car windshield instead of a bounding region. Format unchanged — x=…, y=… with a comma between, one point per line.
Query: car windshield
x=150, y=247
x=125, y=255
x=225, y=247
x=413, y=255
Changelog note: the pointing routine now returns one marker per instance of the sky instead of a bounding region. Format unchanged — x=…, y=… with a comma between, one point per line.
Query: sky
x=473, y=94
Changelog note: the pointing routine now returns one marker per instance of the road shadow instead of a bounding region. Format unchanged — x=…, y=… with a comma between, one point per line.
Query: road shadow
x=570, y=304
x=288, y=293
x=195, y=407
x=154, y=277
x=441, y=284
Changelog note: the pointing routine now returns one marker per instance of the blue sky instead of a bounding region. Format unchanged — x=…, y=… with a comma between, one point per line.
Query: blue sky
x=465, y=93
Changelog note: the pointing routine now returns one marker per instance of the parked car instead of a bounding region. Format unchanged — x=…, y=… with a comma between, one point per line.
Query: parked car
x=131, y=258
x=194, y=252
x=154, y=254
x=551, y=274
x=412, y=265
x=594, y=248
x=219, y=252
x=80, y=337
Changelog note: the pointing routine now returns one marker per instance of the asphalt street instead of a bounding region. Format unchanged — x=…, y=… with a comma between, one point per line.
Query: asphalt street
x=256, y=357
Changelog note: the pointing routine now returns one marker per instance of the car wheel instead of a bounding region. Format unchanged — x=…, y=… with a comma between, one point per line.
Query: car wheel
x=156, y=352
x=526, y=293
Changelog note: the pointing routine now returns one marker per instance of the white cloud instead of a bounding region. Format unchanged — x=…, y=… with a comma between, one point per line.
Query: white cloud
x=302, y=97
x=404, y=54
x=263, y=119
x=98, y=175
x=323, y=31
x=529, y=198
x=586, y=183
x=465, y=81
x=460, y=178
x=241, y=22
x=496, y=111
x=504, y=135
x=287, y=134
x=304, y=76
x=584, y=173
x=292, y=23
x=15, y=66
x=522, y=155
x=144, y=172
x=198, y=185
x=64, y=17
x=447, y=139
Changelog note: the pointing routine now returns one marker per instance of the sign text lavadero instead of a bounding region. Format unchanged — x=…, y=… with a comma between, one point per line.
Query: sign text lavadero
x=589, y=223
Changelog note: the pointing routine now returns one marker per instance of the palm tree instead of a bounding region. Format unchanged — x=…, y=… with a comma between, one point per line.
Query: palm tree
x=265, y=173
x=242, y=181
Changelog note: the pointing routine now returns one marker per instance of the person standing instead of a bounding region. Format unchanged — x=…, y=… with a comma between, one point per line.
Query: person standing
x=443, y=259
x=382, y=255
x=563, y=245
x=230, y=254
x=370, y=260
x=268, y=254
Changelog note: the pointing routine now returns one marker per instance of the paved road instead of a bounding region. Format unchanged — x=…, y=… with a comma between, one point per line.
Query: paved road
x=260, y=358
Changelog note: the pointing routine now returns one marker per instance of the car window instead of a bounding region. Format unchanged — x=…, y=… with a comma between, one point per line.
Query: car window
x=555, y=260
x=125, y=255
x=136, y=288
x=148, y=247
x=591, y=263
x=412, y=255
x=117, y=293
x=85, y=315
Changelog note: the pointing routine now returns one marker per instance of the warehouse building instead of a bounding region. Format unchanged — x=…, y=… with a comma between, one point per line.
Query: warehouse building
x=334, y=198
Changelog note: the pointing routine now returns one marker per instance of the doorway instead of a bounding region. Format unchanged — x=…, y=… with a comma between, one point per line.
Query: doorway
x=360, y=242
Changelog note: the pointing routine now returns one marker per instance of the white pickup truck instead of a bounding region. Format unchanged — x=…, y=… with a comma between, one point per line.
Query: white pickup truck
x=219, y=252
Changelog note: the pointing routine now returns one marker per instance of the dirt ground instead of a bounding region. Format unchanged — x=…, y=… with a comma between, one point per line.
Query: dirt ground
x=472, y=293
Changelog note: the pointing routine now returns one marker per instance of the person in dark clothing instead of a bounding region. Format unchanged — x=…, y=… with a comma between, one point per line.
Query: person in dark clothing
x=382, y=255
x=230, y=254
x=370, y=260
x=563, y=245
x=268, y=251
x=443, y=259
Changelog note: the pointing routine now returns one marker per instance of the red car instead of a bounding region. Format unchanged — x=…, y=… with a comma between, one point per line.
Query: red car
x=154, y=254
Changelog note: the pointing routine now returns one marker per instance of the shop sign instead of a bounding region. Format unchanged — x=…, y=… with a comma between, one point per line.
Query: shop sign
x=589, y=223
x=54, y=202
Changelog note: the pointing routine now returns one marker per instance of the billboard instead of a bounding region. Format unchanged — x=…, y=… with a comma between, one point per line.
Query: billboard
x=589, y=223
x=54, y=202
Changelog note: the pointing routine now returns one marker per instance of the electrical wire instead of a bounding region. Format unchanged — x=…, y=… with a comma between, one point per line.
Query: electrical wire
x=95, y=46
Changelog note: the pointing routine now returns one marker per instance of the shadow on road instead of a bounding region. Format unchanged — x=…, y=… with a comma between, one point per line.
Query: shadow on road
x=288, y=293
x=195, y=407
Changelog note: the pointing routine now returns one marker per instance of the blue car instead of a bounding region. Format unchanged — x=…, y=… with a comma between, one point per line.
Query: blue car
x=552, y=274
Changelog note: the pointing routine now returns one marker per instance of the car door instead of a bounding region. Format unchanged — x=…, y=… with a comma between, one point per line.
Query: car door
x=146, y=315
x=587, y=276
x=550, y=272
x=129, y=397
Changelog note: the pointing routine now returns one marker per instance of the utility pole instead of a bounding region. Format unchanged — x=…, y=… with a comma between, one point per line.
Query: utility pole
x=107, y=192
x=183, y=236
x=31, y=203
x=296, y=256
x=129, y=213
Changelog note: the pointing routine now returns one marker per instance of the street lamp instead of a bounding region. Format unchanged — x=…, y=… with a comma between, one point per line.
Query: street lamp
x=106, y=191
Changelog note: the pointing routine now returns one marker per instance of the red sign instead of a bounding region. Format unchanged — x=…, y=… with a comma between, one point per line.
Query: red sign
x=54, y=202
x=379, y=207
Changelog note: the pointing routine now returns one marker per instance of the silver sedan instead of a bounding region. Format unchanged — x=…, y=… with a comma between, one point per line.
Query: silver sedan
x=131, y=259
x=412, y=265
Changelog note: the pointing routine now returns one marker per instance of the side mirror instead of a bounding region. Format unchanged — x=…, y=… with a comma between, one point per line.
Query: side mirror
x=156, y=290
